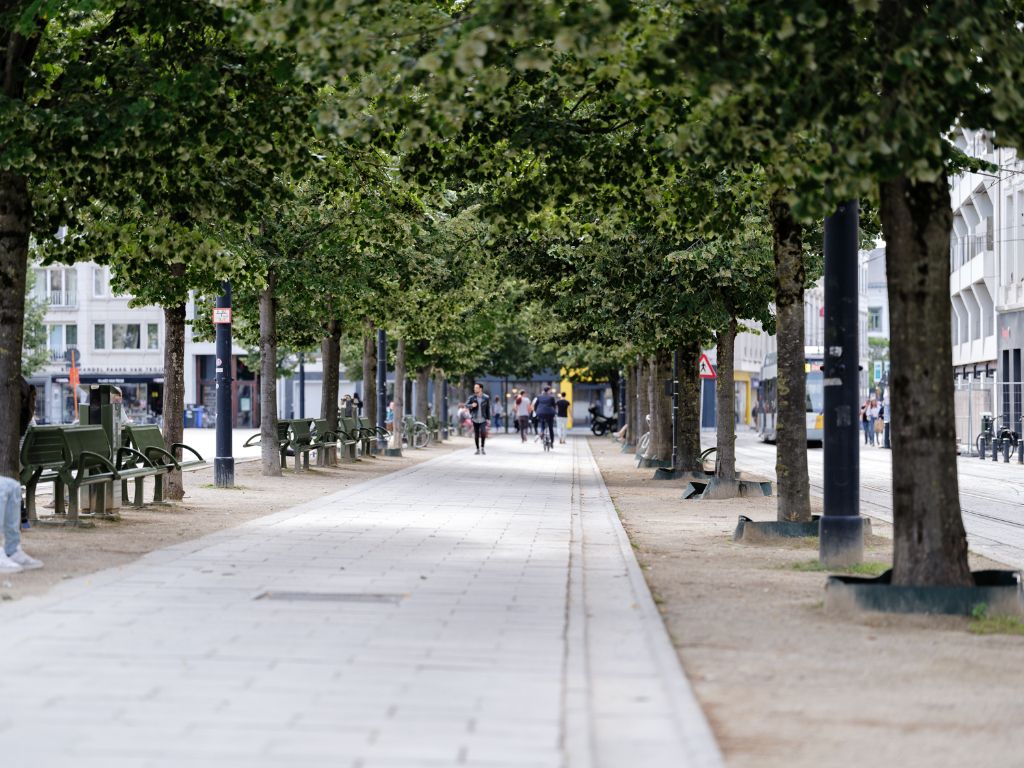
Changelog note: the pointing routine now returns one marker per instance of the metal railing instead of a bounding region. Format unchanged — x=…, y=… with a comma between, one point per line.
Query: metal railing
x=63, y=298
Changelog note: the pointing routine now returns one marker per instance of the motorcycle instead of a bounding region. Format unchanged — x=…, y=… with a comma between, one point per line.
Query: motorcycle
x=600, y=424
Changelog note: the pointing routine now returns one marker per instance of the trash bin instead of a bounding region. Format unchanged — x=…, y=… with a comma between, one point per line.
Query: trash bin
x=190, y=417
x=199, y=412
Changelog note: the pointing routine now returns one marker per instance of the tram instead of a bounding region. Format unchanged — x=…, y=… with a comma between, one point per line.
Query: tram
x=768, y=396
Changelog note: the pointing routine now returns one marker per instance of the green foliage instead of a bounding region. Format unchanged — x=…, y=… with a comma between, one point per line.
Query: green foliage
x=34, y=351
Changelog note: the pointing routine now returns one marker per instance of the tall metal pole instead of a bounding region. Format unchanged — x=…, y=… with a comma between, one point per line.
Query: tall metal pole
x=842, y=528
x=223, y=461
x=444, y=408
x=382, y=382
x=505, y=405
x=302, y=385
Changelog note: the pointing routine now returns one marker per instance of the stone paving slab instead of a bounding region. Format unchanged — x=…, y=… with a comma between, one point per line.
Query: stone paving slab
x=470, y=610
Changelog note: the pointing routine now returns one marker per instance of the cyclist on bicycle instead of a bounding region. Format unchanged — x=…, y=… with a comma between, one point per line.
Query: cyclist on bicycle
x=479, y=405
x=545, y=407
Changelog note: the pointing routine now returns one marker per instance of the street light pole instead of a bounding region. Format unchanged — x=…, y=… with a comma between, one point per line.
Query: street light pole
x=444, y=408
x=842, y=527
x=302, y=385
x=223, y=462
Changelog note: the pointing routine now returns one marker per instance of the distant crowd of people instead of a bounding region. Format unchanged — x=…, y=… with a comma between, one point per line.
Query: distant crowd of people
x=548, y=412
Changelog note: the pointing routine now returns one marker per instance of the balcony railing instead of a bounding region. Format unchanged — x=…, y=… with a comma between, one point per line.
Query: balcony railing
x=963, y=250
x=63, y=298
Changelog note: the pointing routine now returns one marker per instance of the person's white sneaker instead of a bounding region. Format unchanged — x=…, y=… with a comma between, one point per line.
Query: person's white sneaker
x=7, y=565
x=27, y=562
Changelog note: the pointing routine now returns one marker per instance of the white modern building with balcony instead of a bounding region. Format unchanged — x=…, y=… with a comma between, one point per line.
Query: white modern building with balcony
x=987, y=275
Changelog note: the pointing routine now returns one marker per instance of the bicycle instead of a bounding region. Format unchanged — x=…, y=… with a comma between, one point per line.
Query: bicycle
x=984, y=440
x=546, y=436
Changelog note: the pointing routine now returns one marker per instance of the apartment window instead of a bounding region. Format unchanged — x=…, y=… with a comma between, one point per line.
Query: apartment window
x=99, y=336
x=100, y=284
x=874, y=319
x=61, y=287
x=152, y=336
x=71, y=335
x=125, y=336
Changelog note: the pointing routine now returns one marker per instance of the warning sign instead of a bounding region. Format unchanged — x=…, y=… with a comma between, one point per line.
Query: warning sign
x=707, y=370
x=222, y=315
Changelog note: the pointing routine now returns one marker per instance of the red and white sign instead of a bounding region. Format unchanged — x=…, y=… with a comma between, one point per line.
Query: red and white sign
x=222, y=315
x=707, y=370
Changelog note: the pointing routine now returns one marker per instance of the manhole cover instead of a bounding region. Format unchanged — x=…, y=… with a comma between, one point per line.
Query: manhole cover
x=331, y=597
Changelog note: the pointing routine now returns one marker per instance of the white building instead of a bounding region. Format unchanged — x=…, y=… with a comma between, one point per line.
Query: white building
x=986, y=282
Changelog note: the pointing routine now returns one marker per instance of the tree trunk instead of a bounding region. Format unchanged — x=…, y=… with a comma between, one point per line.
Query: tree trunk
x=270, y=454
x=370, y=374
x=632, y=400
x=396, y=436
x=643, y=400
x=15, y=228
x=688, y=421
x=726, y=403
x=330, y=347
x=929, y=542
x=174, y=390
x=423, y=393
x=791, y=451
x=661, y=407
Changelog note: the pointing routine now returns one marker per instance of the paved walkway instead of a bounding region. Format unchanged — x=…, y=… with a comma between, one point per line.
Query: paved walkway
x=480, y=611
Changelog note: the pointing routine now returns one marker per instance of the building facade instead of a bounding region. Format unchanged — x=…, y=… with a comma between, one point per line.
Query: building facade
x=986, y=264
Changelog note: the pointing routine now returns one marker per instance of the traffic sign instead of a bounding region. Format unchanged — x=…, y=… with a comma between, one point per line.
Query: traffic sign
x=222, y=315
x=707, y=370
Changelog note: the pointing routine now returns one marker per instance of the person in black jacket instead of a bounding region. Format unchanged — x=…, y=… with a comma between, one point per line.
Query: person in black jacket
x=479, y=405
x=545, y=408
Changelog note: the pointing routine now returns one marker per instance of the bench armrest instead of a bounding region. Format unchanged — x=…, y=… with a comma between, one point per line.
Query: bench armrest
x=131, y=452
x=162, y=452
x=187, y=448
x=89, y=454
x=249, y=443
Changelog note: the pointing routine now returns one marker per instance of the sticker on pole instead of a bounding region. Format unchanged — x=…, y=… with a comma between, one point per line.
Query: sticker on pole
x=707, y=370
x=222, y=315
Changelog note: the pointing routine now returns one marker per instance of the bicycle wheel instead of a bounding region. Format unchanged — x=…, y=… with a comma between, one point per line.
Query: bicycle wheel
x=421, y=436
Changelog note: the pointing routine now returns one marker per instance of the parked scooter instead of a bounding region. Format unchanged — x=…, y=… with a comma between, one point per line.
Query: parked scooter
x=599, y=423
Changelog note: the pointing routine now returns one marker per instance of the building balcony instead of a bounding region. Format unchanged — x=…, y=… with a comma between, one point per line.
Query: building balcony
x=1011, y=296
x=63, y=299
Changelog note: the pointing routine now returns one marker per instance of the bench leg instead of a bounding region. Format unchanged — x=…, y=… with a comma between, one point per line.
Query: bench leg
x=305, y=459
x=284, y=459
x=73, y=495
x=58, y=497
x=139, y=499
x=158, y=490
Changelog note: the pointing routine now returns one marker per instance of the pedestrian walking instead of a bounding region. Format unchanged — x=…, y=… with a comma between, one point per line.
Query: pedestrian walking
x=389, y=417
x=479, y=405
x=864, y=424
x=872, y=414
x=13, y=558
x=562, y=406
x=523, y=414
x=357, y=403
x=497, y=413
x=348, y=408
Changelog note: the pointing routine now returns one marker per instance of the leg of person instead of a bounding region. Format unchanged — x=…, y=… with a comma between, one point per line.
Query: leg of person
x=476, y=436
x=549, y=422
x=483, y=438
x=562, y=423
x=10, y=512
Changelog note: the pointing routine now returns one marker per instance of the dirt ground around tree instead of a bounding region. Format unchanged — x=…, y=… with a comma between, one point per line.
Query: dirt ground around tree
x=782, y=683
x=71, y=552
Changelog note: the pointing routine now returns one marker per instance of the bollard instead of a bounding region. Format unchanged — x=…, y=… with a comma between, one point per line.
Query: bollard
x=983, y=452
x=1006, y=450
x=1020, y=450
x=995, y=448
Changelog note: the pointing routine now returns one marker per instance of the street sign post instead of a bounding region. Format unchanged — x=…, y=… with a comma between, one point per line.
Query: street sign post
x=707, y=370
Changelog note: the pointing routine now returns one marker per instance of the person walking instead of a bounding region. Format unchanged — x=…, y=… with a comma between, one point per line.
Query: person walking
x=523, y=414
x=562, y=406
x=357, y=403
x=864, y=424
x=479, y=405
x=872, y=414
x=498, y=412
x=545, y=409
x=12, y=557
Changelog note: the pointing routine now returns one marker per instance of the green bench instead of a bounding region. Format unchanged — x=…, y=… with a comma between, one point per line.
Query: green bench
x=151, y=450
x=302, y=442
x=350, y=438
x=369, y=433
x=283, y=426
x=88, y=463
x=42, y=458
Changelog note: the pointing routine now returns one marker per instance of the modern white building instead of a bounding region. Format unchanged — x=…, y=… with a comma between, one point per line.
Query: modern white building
x=986, y=283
